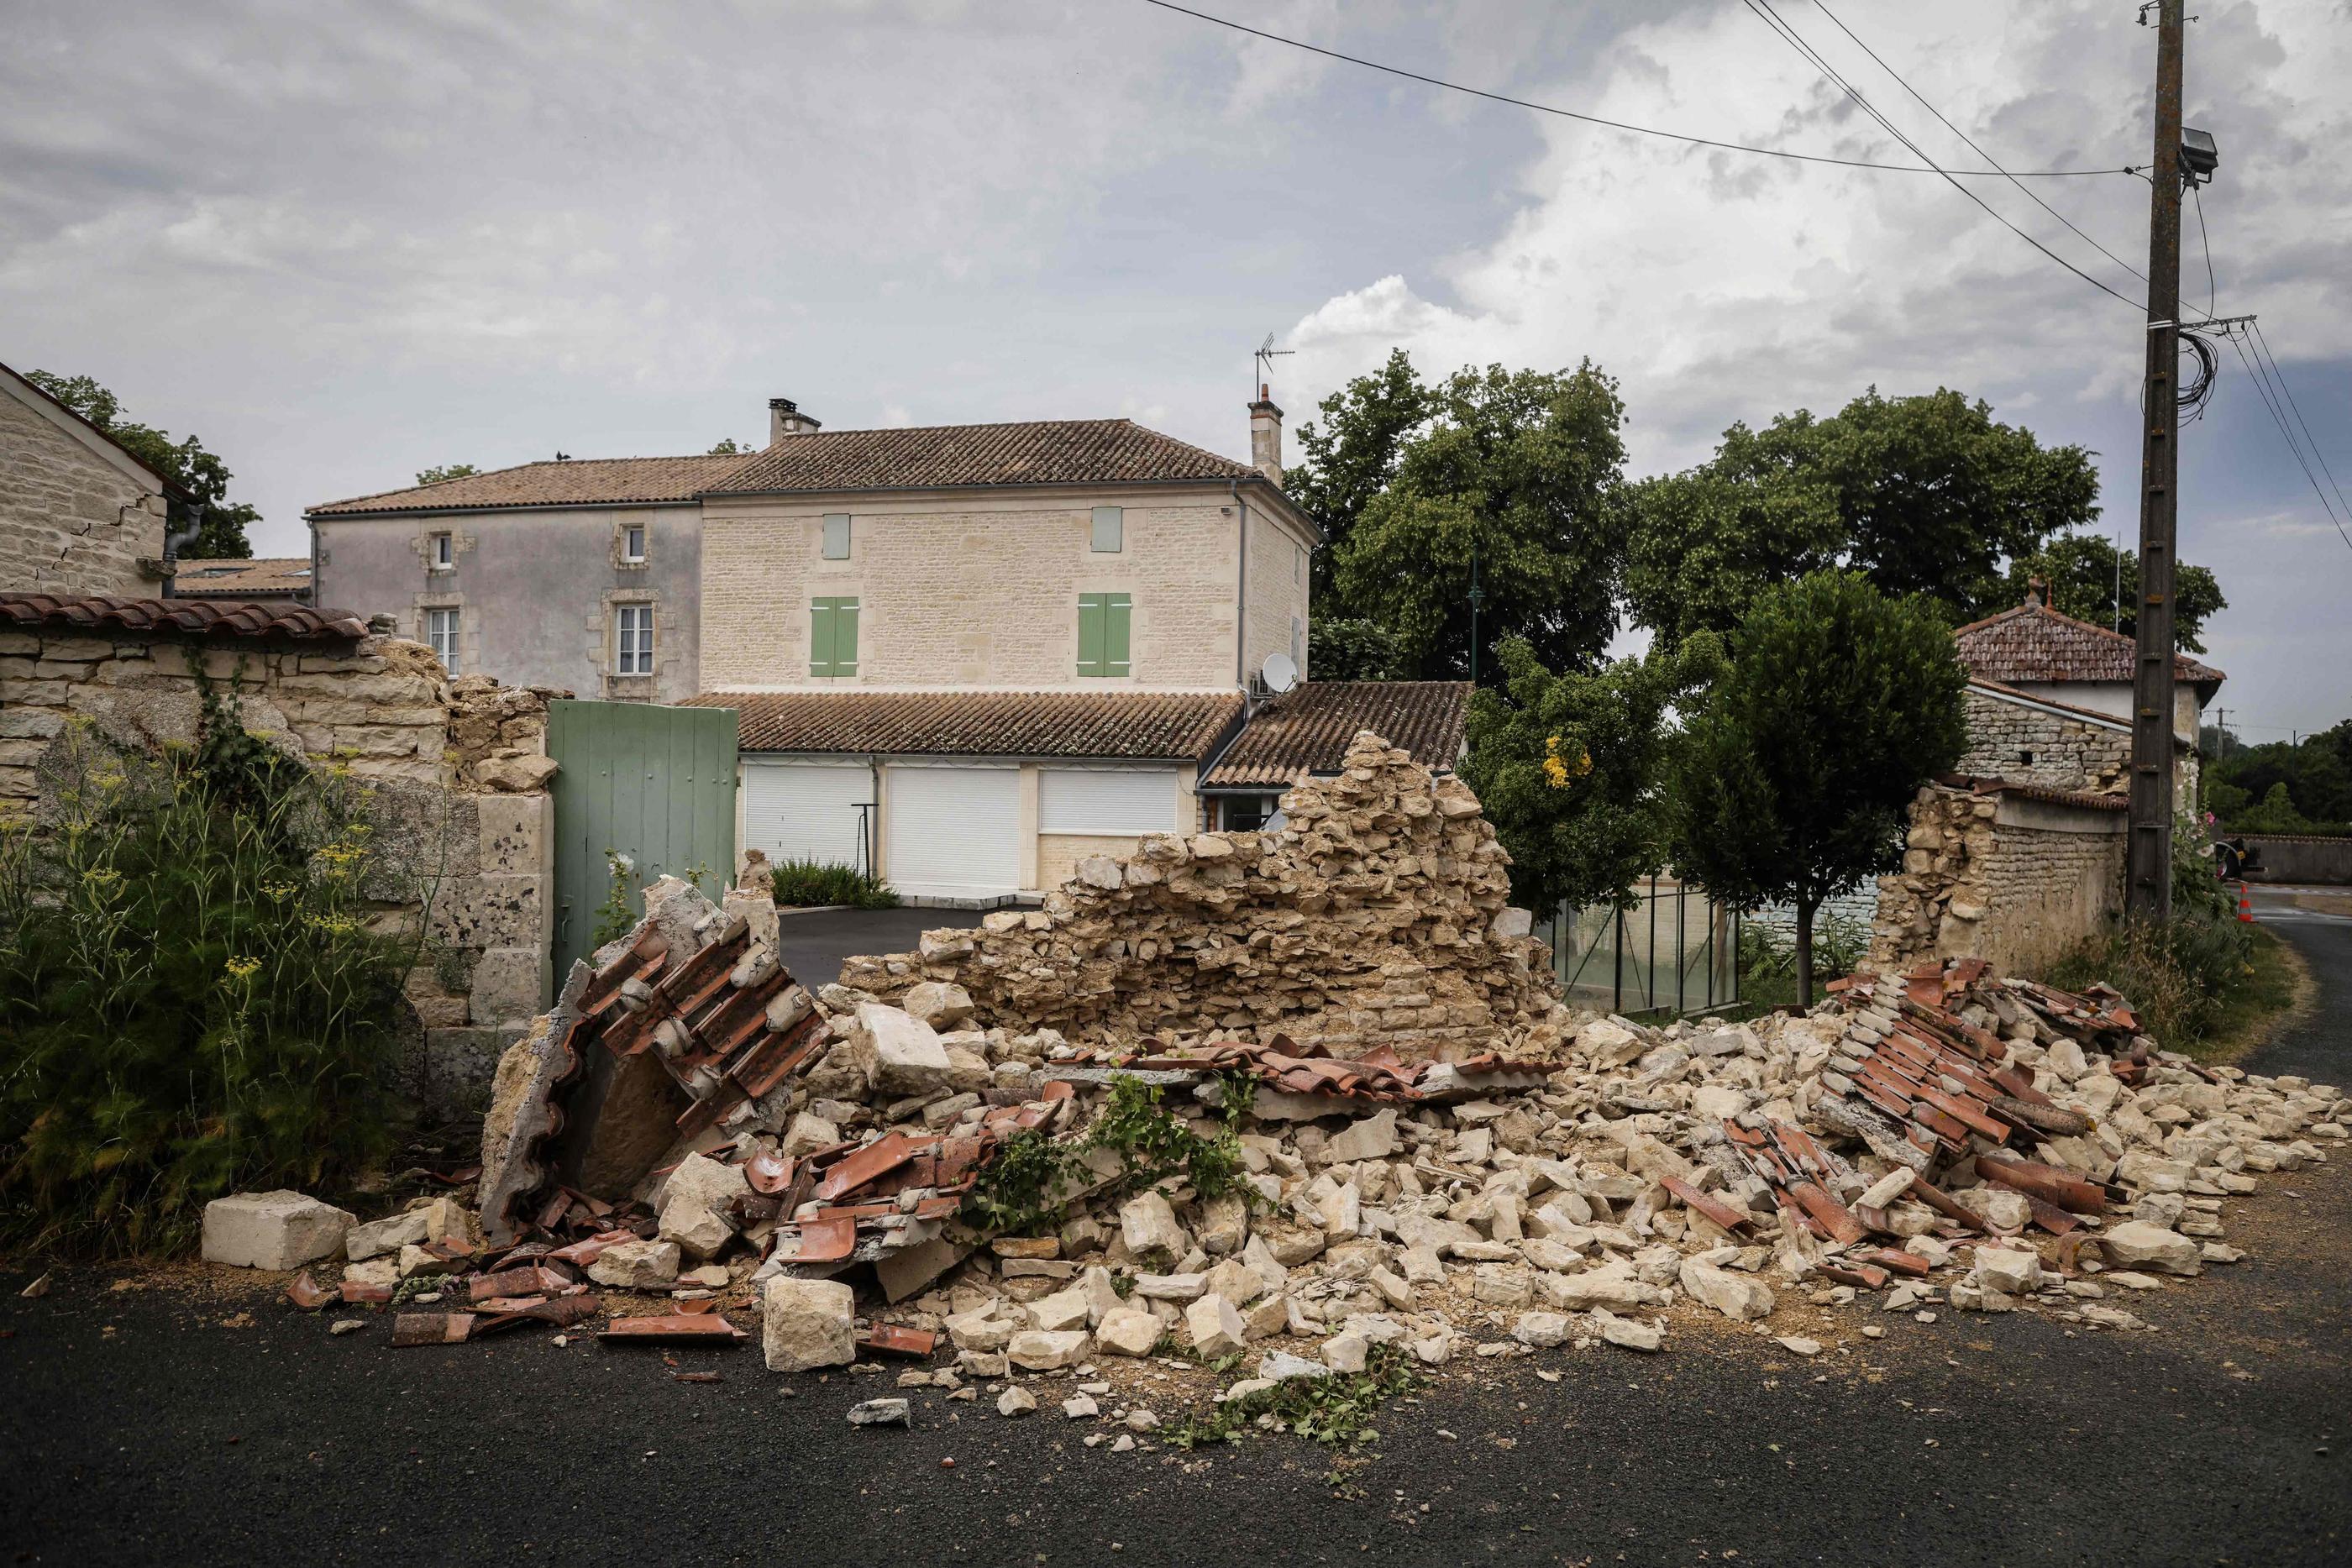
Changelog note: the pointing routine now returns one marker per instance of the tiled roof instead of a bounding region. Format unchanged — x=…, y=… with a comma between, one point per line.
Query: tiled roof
x=2089, y=799
x=1171, y=726
x=264, y=577
x=201, y=619
x=949, y=456
x=574, y=482
x=1307, y=730
x=2035, y=642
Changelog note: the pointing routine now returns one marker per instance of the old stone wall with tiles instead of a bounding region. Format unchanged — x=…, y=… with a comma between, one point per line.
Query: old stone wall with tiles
x=973, y=592
x=2066, y=753
x=70, y=522
x=464, y=823
x=2017, y=881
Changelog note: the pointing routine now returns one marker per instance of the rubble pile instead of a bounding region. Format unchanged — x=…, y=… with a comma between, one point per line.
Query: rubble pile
x=1379, y=916
x=692, y=1133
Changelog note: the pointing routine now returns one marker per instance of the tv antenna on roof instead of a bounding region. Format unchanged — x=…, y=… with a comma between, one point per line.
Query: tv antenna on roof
x=1262, y=365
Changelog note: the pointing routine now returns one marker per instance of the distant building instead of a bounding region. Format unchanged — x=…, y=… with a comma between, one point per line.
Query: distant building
x=264, y=580
x=78, y=513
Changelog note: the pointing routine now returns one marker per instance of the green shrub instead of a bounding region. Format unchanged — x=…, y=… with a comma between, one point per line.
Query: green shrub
x=2181, y=975
x=195, y=997
x=1768, y=953
x=810, y=884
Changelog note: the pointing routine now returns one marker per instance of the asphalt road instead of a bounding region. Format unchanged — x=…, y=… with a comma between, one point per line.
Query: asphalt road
x=152, y=1423
x=812, y=945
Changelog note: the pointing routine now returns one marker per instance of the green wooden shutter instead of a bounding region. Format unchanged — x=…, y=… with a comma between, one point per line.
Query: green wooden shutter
x=845, y=636
x=1090, y=633
x=820, y=637
x=1117, y=608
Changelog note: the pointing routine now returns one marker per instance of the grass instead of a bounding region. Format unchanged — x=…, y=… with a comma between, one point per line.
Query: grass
x=2278, y=986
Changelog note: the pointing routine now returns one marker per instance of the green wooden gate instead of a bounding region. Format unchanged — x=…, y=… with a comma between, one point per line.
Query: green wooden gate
x=655, y=784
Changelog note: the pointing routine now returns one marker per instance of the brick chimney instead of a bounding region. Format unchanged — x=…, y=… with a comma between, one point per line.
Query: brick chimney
x=784, y=418
x=1266, y=436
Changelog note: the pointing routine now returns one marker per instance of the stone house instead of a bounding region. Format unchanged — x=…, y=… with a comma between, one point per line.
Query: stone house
x=263, y=579
x=78, y=513
x=964, y=655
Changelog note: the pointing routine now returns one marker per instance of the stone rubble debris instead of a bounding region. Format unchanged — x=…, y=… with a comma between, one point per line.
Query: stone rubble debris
x=1485, y=1173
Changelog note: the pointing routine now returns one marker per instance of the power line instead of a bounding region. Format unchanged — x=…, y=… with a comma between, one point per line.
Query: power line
x=1619, y=124
x=2262, y=386
x=1772, y=20
x=1973, y=146
x=2206, y=241
x=2263, y=345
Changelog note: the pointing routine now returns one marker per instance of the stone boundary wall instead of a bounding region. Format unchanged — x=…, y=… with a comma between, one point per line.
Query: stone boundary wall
x=2014, y=881
x=460, y=776
x=2289, y=859
x=1378, y=918
x=2067, y=753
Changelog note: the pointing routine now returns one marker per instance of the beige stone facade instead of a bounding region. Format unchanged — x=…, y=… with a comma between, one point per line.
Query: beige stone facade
x=77, y=514
x=2031, y=743
x=982, y=592
x=1276, y=594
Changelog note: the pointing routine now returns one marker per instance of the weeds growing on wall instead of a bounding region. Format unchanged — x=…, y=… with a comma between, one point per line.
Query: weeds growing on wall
x=196, y=998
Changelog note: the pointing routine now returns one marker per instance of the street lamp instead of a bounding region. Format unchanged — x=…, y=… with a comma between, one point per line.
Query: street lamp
x=2198, y=156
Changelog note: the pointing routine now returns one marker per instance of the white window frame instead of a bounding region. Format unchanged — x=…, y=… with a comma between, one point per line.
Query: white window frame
x=633, y=658
x=633, y=544
x=441, y=552
x=834, y=537
x=1109, y=522
x=444, y=624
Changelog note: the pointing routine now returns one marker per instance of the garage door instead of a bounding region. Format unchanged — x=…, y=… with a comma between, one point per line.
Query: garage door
x=954, y=833
x=806, y=810
x=1091, y=800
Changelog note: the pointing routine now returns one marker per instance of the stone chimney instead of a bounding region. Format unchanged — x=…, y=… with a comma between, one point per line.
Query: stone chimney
x=1266, y=436
x=2037, y=592
x=784, y=418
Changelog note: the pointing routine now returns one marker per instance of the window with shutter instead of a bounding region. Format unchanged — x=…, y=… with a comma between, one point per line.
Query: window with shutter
x=833, y=637
x=1103, y=623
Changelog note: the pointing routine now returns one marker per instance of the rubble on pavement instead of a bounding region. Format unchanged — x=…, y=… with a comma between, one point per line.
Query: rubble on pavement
x=701, y=1149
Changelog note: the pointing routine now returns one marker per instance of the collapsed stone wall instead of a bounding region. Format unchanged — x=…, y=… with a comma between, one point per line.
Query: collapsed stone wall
x=2016, y=882
x=1380, y=916
x=2030, y=745
x=464, y=823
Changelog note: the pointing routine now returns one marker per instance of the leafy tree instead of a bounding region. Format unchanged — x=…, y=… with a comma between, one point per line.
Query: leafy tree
x=1346, y=648
x=1790, y=780
x=185, y=464
x=727, y=447
x=446, y=473
x=2303, y=784
x=1517, y=472
x=1929, y=495
x=1352, y=455
x=1568, y=767
x=2081, y=572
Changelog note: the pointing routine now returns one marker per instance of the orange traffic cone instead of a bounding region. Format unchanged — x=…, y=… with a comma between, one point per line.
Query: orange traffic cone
x=2245, y=906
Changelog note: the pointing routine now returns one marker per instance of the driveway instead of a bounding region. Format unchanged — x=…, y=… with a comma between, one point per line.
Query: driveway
x=814, y=942
x=196, y=1422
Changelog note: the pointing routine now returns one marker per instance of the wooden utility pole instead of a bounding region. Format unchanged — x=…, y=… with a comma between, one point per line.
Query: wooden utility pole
x=2148, y=891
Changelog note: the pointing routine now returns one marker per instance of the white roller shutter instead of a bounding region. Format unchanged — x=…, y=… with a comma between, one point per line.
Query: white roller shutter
x=806, y=810
x=954, y=833
x=1091, y=801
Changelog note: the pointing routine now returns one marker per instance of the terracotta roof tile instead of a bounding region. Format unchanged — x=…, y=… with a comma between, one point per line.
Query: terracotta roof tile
x=2092, y=799
x=575, y=482
x=1307, y=730
x=203, y=619
x=950, y=457
x=275, y=577
x=1181, y=726
x=2035, y=642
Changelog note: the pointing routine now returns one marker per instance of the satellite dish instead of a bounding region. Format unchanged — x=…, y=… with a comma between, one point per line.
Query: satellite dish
x=1279, y=673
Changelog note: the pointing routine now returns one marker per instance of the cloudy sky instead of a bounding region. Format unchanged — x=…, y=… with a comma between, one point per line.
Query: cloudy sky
x=343, y=241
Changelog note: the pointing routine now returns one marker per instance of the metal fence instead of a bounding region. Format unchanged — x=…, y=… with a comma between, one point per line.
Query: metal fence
x=1674, y=951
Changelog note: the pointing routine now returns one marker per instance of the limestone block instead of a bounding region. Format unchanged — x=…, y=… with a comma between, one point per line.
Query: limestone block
x=807, y=1324
x=510, y=985
x=899, y=1054
x=278, y=1231
x=515, y=833
x=636, y=1266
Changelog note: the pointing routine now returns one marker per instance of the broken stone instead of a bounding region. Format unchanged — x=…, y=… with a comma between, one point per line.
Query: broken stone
x=1742, y=1298
x=1039, y=1350
x=1216, y=1327
x=1149, y=1227
x=636, y=1266
x=1015, y=1401
x=275, y=1230
x=2013, y=1272
x=1128, y=1331
x=1542, y=1331
x=939, y=1004
x=2135, y=1244
x=378, y=1237
x=898, y=1054
x=1347, y=1351
x=807, y=1324
x=882, y=1413
x=1371, y=1138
